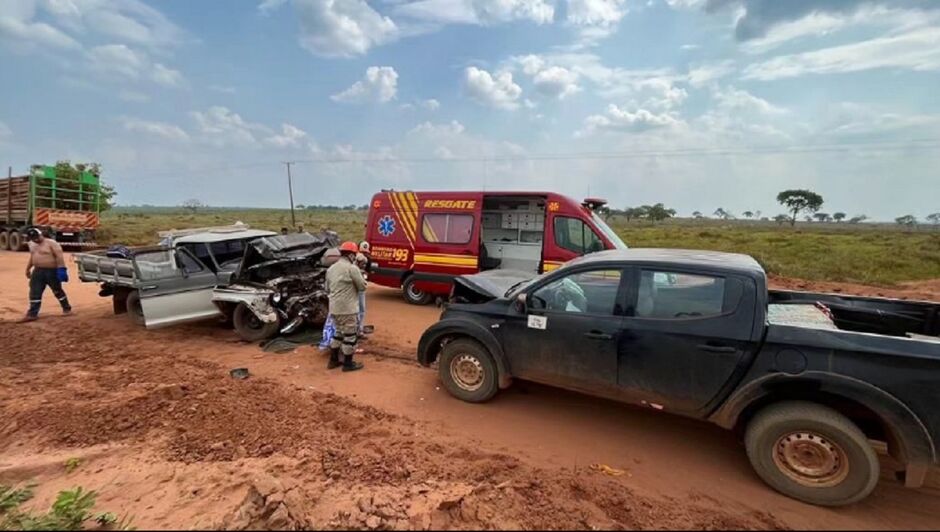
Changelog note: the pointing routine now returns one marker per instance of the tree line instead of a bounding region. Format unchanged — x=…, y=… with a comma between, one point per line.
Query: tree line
x=797, y=202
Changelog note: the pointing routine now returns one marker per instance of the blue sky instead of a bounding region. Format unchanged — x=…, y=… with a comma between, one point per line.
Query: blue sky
x=696, y=103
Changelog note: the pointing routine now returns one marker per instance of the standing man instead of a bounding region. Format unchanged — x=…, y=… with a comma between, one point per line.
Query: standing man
x=46, y=267
x=344, y=283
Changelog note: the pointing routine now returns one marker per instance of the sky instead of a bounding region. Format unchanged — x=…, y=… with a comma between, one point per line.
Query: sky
x=698, y=104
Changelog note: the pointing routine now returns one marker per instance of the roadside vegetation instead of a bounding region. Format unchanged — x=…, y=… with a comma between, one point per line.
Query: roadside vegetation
x=72, y=510
x=867, y=253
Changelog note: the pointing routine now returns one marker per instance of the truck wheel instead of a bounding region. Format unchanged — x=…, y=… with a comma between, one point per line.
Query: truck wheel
x=468, y=371
x=812, y=453
x=249, y=328
x=413, y=294
x=4, y=240
x=135, y=311
x=17, y=242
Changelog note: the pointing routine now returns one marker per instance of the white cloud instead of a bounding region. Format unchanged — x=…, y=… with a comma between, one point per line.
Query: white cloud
x=596, y=18
x=24, y=34
x=688, y=47
x=166, y=76
x=497, y=91
x=557, y=82
x=120, y=62
x=160, y=129
x=704, y=74
x=432, y=130
x=850, y=118
x=917, y=50
x=431, y=105
x=380, y=85
x=482, y=12
x=221, y=126
x=620, y=119
x=738, y=101
x=685, y=4
x=224, y=89
x=290, y=136
x=339, y=28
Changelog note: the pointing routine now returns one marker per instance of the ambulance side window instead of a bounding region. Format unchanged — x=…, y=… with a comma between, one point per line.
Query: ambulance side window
x=447, y=228
x=574, y=235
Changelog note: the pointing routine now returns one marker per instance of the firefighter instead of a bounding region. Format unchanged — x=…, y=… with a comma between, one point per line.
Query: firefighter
x=46, y=267
x=344, y=283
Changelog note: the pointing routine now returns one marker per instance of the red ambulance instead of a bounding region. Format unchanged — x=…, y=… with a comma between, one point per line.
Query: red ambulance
x=422, y=240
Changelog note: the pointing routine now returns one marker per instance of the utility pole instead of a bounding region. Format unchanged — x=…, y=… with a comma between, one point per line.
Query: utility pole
x=290, y=190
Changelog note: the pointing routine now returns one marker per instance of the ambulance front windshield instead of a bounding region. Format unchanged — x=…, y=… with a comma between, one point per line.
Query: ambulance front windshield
x=608, y=232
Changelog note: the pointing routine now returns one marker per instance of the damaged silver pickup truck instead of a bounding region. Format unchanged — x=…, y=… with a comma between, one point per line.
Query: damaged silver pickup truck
x=260, y=282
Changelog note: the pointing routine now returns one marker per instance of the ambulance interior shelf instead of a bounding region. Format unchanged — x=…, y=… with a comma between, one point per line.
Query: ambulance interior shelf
x=512, y=233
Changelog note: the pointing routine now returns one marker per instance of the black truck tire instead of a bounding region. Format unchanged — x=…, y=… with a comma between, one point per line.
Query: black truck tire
x=135, y=311
x=4, y=240
x=468, y=371
x=249, y=328
x=17, y=241
x=812, y=453
x=412, y=294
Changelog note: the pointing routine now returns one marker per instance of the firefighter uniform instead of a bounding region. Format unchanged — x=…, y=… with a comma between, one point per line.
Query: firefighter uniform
x=344, y=283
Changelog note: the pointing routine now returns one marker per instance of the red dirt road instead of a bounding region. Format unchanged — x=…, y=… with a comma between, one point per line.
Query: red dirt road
x=165, y=435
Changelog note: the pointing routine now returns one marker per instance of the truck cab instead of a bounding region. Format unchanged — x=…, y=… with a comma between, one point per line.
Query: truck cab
x=421, y=241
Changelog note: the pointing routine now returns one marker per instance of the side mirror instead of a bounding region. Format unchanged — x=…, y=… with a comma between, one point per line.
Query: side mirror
x=521, y=302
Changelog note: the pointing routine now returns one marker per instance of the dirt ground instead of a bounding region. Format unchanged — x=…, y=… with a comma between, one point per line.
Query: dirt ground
x=165, y=435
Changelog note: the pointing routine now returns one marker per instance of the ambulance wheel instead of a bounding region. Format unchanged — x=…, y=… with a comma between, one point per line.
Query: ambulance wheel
x=413, y=294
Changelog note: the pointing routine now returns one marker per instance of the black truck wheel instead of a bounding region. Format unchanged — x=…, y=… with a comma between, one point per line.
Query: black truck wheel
x=413, y=294
x=134, y=309
x=17, y=241
x=249, y=328
x=4, y=240
x=812, y=453
x=468, y=371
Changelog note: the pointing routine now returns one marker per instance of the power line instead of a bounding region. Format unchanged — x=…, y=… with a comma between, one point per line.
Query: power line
x=793, y=149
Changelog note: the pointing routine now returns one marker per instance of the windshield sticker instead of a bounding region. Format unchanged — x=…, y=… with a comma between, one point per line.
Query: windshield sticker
x=538, y=322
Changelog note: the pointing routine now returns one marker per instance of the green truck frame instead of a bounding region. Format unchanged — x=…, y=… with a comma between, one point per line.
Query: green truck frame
x=65, y=208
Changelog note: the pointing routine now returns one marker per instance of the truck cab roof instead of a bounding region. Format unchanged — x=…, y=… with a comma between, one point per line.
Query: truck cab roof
x=691, y=258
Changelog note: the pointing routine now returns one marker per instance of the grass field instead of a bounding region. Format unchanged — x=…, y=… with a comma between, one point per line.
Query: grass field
x=865, y=253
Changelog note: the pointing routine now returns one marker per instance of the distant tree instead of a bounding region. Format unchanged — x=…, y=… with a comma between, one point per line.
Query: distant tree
x=697, y=215
x=192, y=205
x=720, y=212
x=822, y=217
x=605, y=212
x=658, y=212
x=748, y=214
x=806, y=218
x=301, y=206
x=839, y=216
x=799, y=200
x=908, y=220
x=934, y=218
x=636, y=212
x=757, y=214
x=858, y=219
x=781, y=218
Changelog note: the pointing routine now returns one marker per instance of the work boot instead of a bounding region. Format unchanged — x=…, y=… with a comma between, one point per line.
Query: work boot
x=27, y=318
x=334, y=359
x=349, y=365
x=67, y=312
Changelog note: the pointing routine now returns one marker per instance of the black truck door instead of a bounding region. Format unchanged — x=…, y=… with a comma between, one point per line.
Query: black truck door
x=684, y=336
x=570, y=334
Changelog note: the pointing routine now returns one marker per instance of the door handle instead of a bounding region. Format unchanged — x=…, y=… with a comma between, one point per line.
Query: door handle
x=148, y=287
x=597, y=335
x=717, y=348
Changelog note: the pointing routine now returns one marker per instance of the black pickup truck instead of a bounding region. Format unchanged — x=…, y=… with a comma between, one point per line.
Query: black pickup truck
x=809, y=379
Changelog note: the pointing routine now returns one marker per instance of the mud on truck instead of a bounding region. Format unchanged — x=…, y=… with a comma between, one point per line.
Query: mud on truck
x=259, y=282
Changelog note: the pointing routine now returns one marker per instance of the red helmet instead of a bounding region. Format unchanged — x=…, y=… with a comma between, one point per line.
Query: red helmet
x=349, y=247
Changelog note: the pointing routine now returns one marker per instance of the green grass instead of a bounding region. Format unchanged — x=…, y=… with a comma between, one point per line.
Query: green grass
x=865, y=253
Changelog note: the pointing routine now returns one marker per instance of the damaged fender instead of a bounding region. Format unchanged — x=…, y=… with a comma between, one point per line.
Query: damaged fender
x=256, y=299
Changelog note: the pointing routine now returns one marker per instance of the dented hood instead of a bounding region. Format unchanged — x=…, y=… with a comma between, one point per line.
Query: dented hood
x=488, y=285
